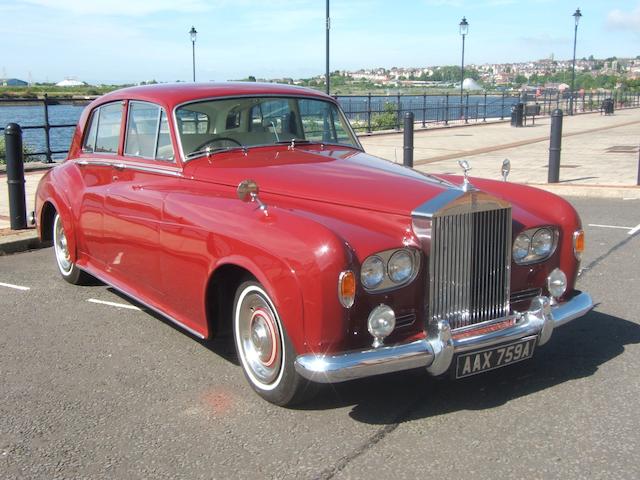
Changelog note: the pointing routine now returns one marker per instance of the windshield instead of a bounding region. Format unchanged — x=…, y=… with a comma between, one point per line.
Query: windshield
x=256, y=121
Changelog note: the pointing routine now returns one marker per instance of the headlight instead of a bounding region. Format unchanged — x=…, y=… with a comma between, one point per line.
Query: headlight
x=400, y=266
x=534, y=245
x=542, y=242
x=372, y=273
x=390, y=269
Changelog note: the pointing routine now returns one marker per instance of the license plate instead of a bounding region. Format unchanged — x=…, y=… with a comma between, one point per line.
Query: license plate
x=492, y=358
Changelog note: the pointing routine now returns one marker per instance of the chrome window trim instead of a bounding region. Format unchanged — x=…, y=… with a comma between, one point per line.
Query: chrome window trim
x=129, y=166
x=157, y=139
x=269, y=95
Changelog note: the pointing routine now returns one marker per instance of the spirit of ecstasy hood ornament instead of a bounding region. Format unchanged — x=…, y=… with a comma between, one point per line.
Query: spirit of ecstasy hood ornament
x=466, y=185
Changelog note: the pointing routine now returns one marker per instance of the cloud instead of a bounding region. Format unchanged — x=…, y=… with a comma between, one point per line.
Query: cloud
x=618, y=19
x=122, y=7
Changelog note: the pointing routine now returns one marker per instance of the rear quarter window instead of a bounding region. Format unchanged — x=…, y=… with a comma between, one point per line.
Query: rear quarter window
x=103, y=131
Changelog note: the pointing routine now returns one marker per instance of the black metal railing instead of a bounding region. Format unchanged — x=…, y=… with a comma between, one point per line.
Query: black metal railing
x=370, y=113
x=48, y=151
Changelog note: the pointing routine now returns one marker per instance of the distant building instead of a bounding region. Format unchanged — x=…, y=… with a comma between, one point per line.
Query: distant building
x=70, y=82
x=12, y=82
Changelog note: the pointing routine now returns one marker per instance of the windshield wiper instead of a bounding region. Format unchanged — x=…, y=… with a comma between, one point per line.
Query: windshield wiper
x=211, y=151
x=294, y=141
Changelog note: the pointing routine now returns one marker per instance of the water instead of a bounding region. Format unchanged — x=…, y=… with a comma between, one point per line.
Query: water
x=27, y=115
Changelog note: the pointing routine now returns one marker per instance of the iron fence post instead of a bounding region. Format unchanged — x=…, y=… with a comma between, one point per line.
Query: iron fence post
x=398, y=114
x=47, y=127
x=407, y=156
x=502, y=108
x=369, y=113
x=424, y=109
x=484, y=112
x=466, y=109
x=15, y=176
x=446, y=109
x=555, y=146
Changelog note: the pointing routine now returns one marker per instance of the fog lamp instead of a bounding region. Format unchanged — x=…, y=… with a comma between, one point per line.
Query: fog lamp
x=382, y=321
x=557, y=283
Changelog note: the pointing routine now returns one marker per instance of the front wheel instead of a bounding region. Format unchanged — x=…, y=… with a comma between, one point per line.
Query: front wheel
x=264, y=350
x=69, y=270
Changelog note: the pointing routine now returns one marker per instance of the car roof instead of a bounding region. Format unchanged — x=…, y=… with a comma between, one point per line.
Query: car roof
x=172, y=94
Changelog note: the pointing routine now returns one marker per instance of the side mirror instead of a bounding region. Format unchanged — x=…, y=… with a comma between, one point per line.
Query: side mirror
x=247, y=190
x=506, y=168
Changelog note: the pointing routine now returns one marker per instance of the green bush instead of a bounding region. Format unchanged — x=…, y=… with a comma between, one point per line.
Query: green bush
x=386, y=120
x=3, y=152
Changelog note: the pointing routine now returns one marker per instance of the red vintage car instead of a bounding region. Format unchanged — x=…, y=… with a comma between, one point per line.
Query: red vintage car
x=253, y=208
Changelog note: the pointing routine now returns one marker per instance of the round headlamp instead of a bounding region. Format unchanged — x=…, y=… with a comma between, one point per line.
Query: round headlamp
x=557, y=283
x=542, y=242
x=372, y=272
x=400, y=266
x=521, y=247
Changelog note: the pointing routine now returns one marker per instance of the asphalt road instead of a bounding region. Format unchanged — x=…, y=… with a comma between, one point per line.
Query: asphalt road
x=90, y=390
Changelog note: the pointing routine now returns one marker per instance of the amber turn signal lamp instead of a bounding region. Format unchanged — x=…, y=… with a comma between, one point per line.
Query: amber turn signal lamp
x=347, y=288
x=578, y=243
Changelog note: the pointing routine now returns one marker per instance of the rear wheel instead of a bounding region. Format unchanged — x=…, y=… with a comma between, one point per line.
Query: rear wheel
x=69, y=271
x=264, y=350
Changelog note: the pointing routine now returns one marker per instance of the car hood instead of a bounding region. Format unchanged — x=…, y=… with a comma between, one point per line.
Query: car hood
x=341, y=176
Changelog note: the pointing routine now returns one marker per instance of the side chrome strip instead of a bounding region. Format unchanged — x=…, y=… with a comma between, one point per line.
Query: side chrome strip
x=129, y=166
x=145, y=304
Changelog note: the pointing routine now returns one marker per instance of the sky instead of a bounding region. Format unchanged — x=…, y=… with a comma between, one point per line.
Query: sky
x=128, y=41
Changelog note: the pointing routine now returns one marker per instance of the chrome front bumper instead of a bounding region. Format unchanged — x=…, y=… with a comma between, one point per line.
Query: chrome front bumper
x=436, y=351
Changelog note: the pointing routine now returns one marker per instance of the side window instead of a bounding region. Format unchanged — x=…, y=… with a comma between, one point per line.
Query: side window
x=89, y=143
x=165, y=149
x=109, y=121
x=142, y=129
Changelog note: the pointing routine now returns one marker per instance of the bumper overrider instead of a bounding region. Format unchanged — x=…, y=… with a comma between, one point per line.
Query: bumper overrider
x=437, y=350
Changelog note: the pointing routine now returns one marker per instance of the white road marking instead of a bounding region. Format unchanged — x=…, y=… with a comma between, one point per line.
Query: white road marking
x=113, y=304
x=609, y=226
x=15, y=287
x=634, y=230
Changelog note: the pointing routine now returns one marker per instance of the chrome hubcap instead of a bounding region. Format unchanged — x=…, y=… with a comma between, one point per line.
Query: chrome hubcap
x=60, y=246
x=259, y=338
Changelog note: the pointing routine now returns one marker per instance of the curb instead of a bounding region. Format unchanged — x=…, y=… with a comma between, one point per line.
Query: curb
x=21, y=242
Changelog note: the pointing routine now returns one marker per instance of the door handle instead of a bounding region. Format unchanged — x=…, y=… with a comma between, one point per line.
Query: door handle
x=137, y=187
x=118, y=166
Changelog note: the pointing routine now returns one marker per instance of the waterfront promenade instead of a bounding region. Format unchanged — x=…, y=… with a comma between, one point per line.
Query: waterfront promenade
x=599, y=157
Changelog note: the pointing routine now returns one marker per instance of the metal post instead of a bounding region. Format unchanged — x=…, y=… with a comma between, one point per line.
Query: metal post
x=446, y=109
x=47, y=127
x=369, y=113
x=555, y=146
x=408, y=140
x=15, y=176
x=462, y=77
x=638, y=180
x=328, y=79
x=398, y=114
x=424, y=110
x=484, y=113
x=502, y=108
x=466, y=109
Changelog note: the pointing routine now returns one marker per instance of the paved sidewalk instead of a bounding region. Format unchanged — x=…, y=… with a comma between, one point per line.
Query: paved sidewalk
x=599, y=158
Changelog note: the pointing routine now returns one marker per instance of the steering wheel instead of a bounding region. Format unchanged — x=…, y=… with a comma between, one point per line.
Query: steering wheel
x=218, y=139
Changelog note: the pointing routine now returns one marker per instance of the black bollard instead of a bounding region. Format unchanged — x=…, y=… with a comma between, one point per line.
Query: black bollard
x=408, y=140
x=15, y=176
x=555, y=146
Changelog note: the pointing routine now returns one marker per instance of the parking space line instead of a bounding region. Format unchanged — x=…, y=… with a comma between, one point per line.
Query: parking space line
x=635, y=230
x=113, y=304
x=15, y=287
x=608, y=226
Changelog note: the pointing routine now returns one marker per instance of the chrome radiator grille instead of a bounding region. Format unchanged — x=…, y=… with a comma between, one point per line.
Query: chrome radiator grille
x=470, y=266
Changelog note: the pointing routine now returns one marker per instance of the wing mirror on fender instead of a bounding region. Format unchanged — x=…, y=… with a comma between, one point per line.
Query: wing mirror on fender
x=248, y=192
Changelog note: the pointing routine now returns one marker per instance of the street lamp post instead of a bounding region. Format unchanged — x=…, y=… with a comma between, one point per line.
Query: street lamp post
x=328, y=25
x=193, y=33
x=576, y=16
x=464, y=29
